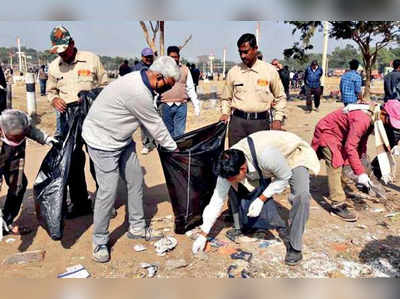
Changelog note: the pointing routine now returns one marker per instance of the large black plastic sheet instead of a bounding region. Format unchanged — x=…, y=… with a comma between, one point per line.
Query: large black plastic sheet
x=50, y=184
x=189, y=173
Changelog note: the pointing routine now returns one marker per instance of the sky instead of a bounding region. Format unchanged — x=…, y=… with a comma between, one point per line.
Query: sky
x=126, y=39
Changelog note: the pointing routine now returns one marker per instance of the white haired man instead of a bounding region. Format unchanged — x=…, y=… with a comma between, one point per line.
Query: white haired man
x=15, y=127
x=117, y=112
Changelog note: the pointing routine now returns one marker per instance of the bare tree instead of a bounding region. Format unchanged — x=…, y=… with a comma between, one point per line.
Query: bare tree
x=162, y=27
x=187, y=40
x=151, y=42
x=158, y=27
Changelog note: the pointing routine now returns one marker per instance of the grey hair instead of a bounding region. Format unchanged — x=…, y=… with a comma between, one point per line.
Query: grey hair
x=166, y=66
x=14, y=122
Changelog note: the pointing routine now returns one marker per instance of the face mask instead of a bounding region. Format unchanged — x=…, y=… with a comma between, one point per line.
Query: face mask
x=12, y=143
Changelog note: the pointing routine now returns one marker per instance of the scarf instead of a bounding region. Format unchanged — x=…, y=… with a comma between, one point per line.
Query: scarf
x=387, y=164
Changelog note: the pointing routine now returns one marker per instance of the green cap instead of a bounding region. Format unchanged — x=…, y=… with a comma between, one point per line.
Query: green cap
x=60, y=39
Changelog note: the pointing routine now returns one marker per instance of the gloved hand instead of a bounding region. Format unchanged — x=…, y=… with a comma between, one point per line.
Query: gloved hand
x=197, y=110
x=396, y=150
x=255, y=208
x=199, y=244
x=50, y=140
x=363, y=179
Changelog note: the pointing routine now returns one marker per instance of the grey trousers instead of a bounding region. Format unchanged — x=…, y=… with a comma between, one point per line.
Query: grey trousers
x=109, y=167
x=299, y=198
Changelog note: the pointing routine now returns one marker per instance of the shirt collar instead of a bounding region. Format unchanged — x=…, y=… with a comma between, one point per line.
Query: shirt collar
x=78, y=58
x=146, y=80
x=253, y=68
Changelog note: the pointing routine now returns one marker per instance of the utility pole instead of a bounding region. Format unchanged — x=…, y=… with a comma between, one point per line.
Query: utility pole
x=224, y=64
x=324, y=52
x=258, y=34
x=19, y=54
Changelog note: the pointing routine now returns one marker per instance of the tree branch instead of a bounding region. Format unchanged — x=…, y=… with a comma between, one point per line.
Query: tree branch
x=185, y=42
x=150, y=42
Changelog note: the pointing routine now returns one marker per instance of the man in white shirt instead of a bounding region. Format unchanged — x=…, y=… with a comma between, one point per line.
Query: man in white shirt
x=279, y=155
x=174, y=107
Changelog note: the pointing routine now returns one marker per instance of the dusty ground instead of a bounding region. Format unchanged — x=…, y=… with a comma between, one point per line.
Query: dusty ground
x=333, y=248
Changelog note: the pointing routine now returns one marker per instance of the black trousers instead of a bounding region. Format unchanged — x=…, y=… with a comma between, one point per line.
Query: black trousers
x=76, y=179
x=316, y=92
x=240, y=128
x=3, y=100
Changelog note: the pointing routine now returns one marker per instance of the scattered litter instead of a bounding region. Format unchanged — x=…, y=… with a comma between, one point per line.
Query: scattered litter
x=362, y=226
x=242, y=255
x=25, y=257
x=77, y=271
x=230, y=269
x=189, y=233
x=151, y=269
x=175, y=264
x=245, y=274
x=169, y=217
x=167, y=230
x=217, y=243
x=378, y=210
x=164, y=245
x=265, y=244
x=139, y=247
x=10, y=240
x=384, y=268
x=392, y=214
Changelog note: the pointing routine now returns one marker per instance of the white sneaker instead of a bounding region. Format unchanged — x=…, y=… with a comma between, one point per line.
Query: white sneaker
x=145, y=151
x=100, y=253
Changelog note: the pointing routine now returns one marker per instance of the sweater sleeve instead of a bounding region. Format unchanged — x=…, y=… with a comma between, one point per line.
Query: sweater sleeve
x=142, y=107
x=359, y=123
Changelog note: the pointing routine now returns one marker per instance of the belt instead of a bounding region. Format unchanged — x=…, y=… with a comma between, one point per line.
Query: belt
x=251, y=115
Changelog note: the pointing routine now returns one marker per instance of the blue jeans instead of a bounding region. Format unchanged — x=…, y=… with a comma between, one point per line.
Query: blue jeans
x=61, y=124
x=174, y=118
x=42, y=87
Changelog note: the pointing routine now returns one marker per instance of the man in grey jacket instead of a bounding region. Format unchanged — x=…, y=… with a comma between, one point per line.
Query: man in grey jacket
x=117, y=112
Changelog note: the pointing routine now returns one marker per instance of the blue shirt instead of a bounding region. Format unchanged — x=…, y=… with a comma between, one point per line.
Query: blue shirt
x=312, y=78
x=350, y=86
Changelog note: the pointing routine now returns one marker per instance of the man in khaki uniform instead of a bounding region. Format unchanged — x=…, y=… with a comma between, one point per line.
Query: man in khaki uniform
x=252, y=88
x=70, y=73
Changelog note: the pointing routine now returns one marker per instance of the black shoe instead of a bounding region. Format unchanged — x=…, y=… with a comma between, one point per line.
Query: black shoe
x=78, y=211
x=343, y=213
x=293, y=256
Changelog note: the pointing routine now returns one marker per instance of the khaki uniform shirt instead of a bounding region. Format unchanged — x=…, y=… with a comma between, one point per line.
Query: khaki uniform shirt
x=67, y=80
x=255, y=89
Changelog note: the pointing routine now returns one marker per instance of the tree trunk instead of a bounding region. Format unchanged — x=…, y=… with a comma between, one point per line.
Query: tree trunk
x=368, y=70
x=162, y=38
x=149, y=41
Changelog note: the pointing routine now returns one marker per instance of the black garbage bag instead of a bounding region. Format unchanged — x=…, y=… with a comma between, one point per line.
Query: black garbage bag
x=50, y=185
x=189, y=173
